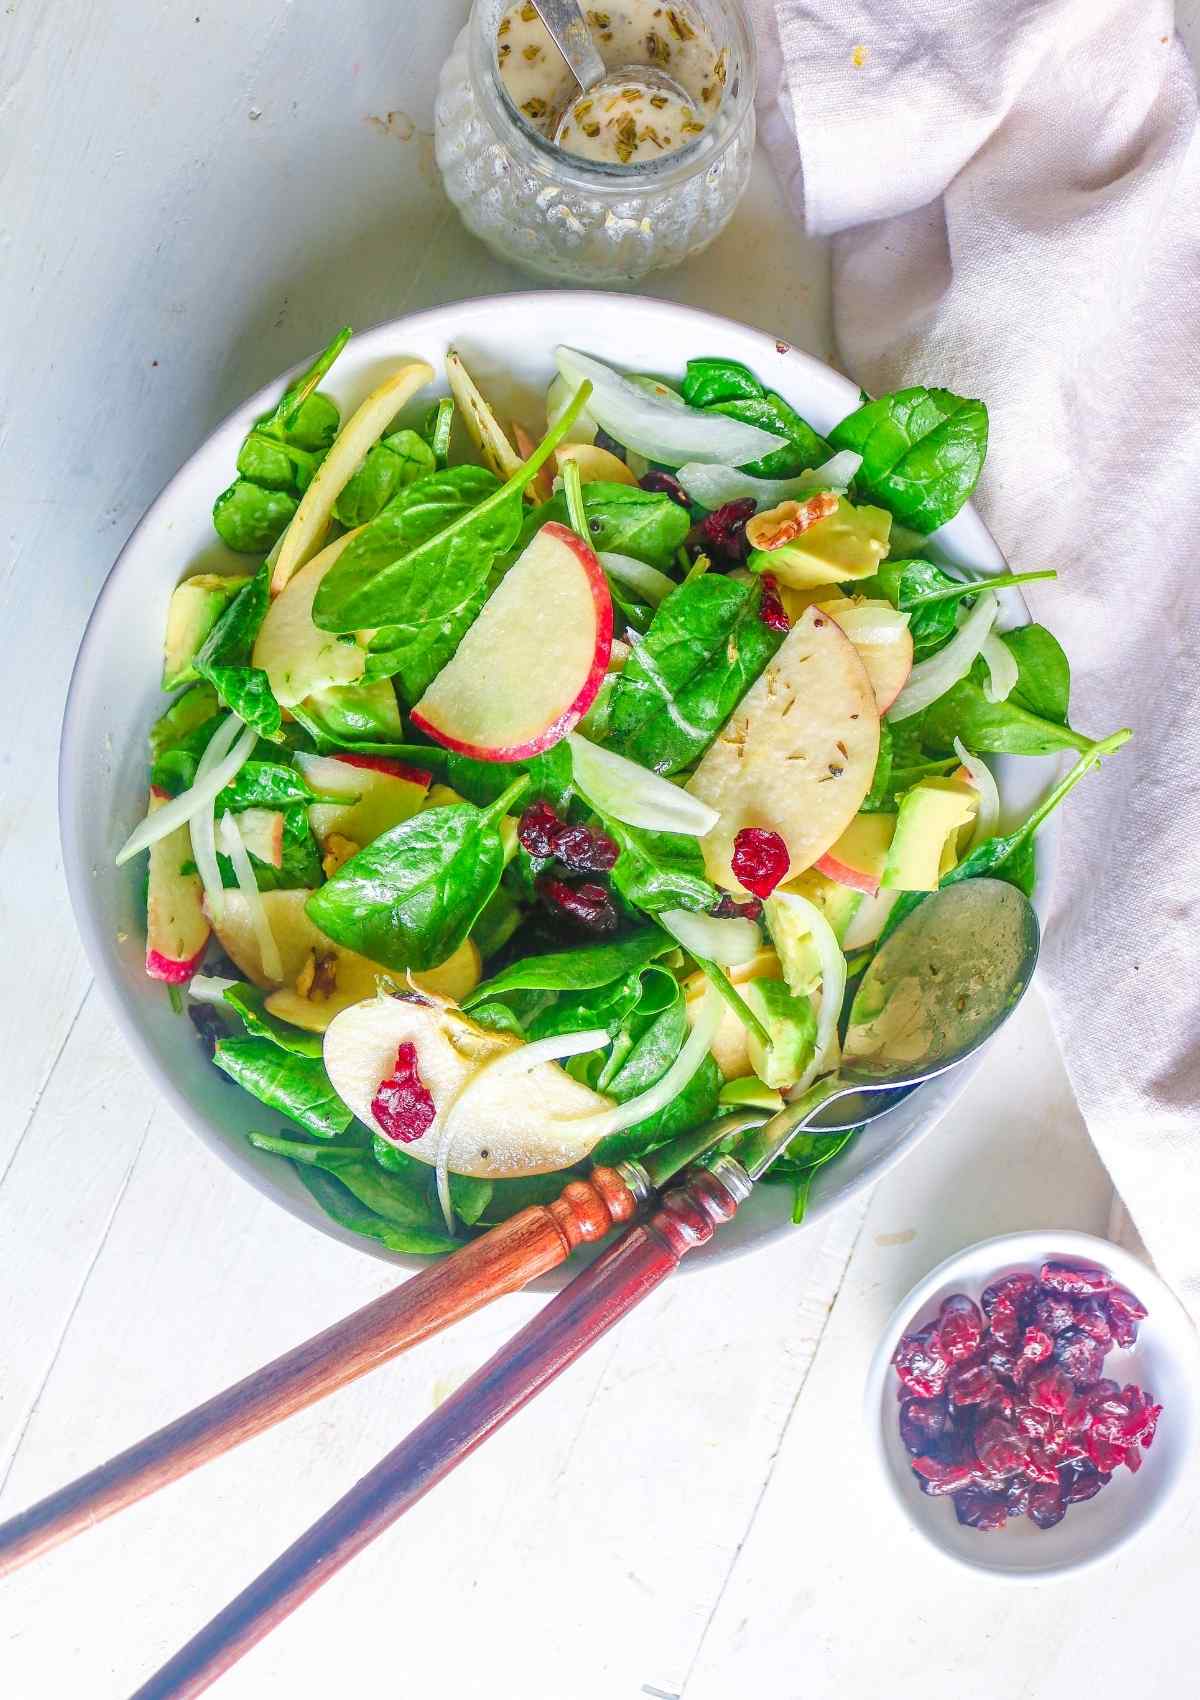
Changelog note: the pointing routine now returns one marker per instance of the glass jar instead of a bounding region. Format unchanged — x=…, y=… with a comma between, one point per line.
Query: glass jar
x=576, y=220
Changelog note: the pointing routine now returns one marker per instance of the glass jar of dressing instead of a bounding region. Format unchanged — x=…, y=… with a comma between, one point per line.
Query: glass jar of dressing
x=607, y=190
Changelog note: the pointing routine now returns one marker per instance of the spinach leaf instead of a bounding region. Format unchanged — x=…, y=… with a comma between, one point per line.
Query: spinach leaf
x=579, y=970
x=251, y=519
x=274, y=464
x=264, y=785
x=341, y=716
x=659, y=870
x=518, y=1194
x=224, y=659
x=800, y=1171
x=1009, y=855
x=653, y=1051
x=297, y=1086
x=468, y=1195
x=415, y=662
x=709, y=381
x=1032, y=719
x=351, y=1187
x=879, y=799
x=300, y=862
x=705, y=647
x=390, y=464
x=250, y=1004
x=602, y=1006
x=623, y=519
x=922, y=450
x=903, y=583
x=550, y=777
x=409, y=899
x=770, y=412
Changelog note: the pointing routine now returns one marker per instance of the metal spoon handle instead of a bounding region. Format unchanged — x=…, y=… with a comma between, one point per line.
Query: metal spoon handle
x=566, y=23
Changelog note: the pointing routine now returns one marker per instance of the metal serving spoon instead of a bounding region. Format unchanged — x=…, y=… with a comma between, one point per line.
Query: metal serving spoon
x=568, y=27
x=946, y=980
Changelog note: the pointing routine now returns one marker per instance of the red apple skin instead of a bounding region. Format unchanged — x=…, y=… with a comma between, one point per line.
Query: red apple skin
x=572, y=715
x=842, y=874
x=172, y=970
x=385, y=764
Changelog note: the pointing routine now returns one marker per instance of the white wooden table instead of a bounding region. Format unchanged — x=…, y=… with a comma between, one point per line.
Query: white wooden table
x=192, y=196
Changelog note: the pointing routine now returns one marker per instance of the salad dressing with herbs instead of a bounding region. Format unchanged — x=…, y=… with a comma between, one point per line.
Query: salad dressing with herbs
x=637, y=121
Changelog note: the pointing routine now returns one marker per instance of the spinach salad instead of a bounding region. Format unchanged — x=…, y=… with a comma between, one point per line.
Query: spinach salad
x=522, y=805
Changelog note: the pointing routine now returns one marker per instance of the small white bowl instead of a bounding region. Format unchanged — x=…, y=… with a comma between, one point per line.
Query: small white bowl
x=1165, y=1361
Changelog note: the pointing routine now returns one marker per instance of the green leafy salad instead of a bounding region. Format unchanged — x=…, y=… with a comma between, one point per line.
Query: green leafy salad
x=521, y=806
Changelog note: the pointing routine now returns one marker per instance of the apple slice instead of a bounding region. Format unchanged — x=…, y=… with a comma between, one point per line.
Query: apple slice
x=881, y=636
x=310, y=522
x=528, y=669
x=520, y=1123
x=321, y=978
x=297, y=657
x=596, y=465
x=262, y=834
x=177, y=931
x=797, y=755
x=860, y=854
x=483, y=428
x=379, y=793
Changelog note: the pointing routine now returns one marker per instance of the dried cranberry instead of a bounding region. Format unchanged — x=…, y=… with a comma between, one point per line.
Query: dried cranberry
x=727, y=908
x=1049, y=1390
x=771, y=610
x=1124, y=1330
x=1000, y=1449
x=1153, y=1413
x=920, y=1364
x=1133, y=1459
x=1005, y=1322
x=210, y=1028
x=1045, y=1506
x=939, y=1477
x=1079, y=1480
x=1092, y=1317
x=1077, y=1279
x=588, y=905
x=1081, y=1357
x=722, y=533
x=540, y=830
x=1103, y=1453
x=1032, y=1421
x=585, y=851
x=960, y=1328
x=923, y=1424
x=1040, y=1468
x=1124, y=1312
x=604, y=441
x=760, y=860
x=1053, y=1313
x=1036, y=1345
x=1014, y=1290
x=402, y=1106
x=972, y=1384
x=1002, y=1363
x=977, y=1509
x=663, y=483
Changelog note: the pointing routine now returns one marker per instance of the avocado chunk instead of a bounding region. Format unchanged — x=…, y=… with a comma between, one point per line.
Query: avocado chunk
x=792, y=1026
x=196, y=606
x=849, y=544
x=928, y=821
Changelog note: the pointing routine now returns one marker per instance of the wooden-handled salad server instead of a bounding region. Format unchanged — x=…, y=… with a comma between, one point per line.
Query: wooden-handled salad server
x=505, y=1259
x=949, y=976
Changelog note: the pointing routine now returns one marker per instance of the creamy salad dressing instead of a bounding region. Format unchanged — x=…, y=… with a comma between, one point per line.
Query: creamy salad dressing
x=624, y=125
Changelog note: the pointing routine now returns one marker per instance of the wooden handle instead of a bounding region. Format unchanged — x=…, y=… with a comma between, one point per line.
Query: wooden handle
x=502, y=1261
x=574, y=1320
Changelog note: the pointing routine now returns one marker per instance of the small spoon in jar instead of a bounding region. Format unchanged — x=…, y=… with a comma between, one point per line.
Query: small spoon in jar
x=569, y=30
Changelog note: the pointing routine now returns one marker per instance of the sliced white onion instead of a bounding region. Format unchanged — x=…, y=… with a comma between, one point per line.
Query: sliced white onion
x=231, y=843
x=521, y=1060
x=642, y=421
x=630, y=793
x=202, y=832
x=984, y=781
x=725, y=942
x=712, y=486
x=558, y=399
x=658, y=1096
x=870, y=623
x=1002, y=669
x=931, y=679
x=212, y=775
x=833, y=984
x=650, y=584
x=209, y=988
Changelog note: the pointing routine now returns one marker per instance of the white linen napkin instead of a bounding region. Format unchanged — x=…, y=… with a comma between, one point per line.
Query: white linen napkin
x=1014, y=191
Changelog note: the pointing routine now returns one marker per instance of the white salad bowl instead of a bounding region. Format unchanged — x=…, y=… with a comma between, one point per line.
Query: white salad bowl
x=1165, y=1361
x=507, y=342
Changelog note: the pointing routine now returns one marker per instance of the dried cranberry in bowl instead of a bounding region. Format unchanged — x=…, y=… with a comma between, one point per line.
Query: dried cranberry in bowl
x=1004, y=1406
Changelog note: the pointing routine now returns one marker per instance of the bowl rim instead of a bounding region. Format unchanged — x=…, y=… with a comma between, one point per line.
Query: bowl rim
x=1090, y=1248
x=103, y=964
